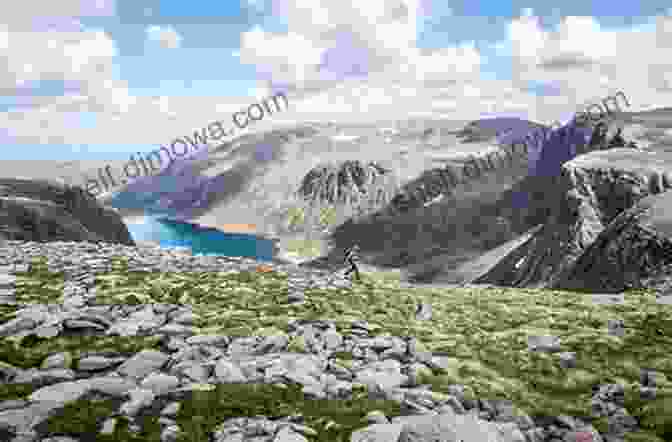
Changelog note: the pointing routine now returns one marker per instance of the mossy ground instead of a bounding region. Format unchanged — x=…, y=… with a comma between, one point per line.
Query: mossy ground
x=483, y=330
x=305, y=248
x=31, y=350
x=203, y=410
x=15, y=391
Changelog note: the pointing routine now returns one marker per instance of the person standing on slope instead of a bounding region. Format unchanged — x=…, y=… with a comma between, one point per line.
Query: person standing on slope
x=617, y=140
x=351, y=257
x=598, y=139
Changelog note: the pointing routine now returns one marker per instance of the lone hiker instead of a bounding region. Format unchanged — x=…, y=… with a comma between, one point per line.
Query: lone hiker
x=598, y=139
x=617, y=140
x=352, y=258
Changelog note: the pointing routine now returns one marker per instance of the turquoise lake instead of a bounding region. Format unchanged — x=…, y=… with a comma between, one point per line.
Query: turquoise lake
x=201, y=240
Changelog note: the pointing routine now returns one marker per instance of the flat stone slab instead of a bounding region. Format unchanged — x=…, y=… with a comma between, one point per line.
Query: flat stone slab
x=666, y=300
x=608, y=298
x=7, y=280
x=624, y=159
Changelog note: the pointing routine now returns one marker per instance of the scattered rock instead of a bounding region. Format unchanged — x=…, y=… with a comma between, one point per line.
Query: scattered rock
x=389, y=365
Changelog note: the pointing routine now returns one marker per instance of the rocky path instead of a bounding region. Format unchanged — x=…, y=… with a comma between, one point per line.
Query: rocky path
x=170, y=365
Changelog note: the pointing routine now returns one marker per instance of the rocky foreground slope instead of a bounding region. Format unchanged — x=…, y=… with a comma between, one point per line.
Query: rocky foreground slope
x=164, y=346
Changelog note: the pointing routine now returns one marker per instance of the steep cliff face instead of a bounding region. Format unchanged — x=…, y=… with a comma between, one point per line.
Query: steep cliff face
x=33, y=210
x=590, y=192
x=633, y=251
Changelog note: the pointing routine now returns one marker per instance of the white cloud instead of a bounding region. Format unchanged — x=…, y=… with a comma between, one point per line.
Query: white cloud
x=589, y=63
x=401, y=78
x=341, y=60
x=438, y=66
x=146, y=120
x=398, y=77
x=343, y=34
x=290, y=57
x=28, y=10
x=166, y=36
x=83, y=58
x=581, y=58
x=526, y=39
x=330, y=44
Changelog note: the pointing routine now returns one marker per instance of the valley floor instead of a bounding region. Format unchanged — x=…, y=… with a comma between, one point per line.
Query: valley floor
x=131, y=344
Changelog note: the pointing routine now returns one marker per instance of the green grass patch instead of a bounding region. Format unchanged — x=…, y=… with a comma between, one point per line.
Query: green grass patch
x=206, y=409
x=202, y=411
x=7, y=313
x=84, y=417
x=485, y=330
x=302, y=247
x=295, y=218
x=39, y=284
x=15, y=391
x=32, y=350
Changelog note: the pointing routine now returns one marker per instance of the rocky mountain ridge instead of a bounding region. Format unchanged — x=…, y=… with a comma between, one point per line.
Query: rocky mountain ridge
x=450, y=203
x=589, y=194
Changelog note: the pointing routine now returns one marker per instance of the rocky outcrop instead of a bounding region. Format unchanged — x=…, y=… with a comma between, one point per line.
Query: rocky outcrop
x=633, y=251
x=32, y=210
x=589, y=194
x=547, y=151
x=343, y=182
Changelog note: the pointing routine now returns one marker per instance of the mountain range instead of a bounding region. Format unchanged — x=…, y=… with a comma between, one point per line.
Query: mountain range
x=252, y=181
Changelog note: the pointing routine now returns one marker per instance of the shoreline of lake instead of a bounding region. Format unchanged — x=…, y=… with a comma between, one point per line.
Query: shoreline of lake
x=199, y=239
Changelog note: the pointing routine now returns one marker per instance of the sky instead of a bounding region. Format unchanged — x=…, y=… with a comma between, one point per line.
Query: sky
x=102, y=79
